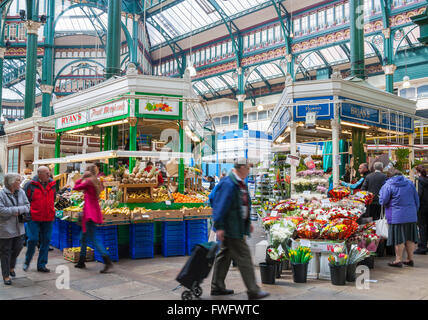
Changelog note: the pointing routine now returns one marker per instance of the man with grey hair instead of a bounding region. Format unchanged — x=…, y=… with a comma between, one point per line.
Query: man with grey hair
x=373, y=183
x=41, y=193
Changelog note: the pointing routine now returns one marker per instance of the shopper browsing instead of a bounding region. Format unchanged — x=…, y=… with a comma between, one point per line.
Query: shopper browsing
x=363, y=169
x=41, y=193
x=92, y=188
x=149, y=168
x=423, y=209
x=401, y=202
x=13, y=204
x=231, y=215
x=373, y=183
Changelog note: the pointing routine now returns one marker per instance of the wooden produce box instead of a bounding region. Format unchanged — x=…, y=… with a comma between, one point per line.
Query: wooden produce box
x=118, y=218
x=73, y=256
x=169, y=215
x=142, y=217
x=74, y=215
x=134, y=187
x=190, y=211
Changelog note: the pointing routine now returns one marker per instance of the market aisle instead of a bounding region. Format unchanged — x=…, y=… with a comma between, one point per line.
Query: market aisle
x=154, y=279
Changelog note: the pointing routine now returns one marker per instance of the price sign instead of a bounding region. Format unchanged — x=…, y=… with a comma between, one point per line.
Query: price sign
x=168, y=202
x=274, y=213
x=307, y=192
x=293, y=160
x=326, y=203
x=310, y=119
x=300, y=201
x=305, y=243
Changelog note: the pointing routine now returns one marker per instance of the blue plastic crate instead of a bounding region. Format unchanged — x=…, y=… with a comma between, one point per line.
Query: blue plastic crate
x=142, y=253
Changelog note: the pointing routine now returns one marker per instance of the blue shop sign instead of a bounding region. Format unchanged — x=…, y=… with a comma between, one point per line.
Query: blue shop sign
x=324, y=110
x=359, y=114
x=397, y=121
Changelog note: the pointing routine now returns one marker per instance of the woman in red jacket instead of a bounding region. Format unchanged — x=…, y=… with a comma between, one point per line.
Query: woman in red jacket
x=92, y=188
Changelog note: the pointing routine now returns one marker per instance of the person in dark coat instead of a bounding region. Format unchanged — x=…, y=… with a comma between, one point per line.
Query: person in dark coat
x=363, y=169
x=231, y=216
x=373, y=183
x=401, y=201
x=423, y=209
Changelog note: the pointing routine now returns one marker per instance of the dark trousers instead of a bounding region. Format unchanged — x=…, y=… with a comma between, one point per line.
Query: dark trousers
x=374, y=211
x=238, y=250
x=423, y=230
x=9, y=251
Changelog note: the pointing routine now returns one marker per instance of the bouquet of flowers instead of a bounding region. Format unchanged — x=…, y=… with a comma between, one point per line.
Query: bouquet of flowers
x=309, y=173
x=276, y=255
x=338, y=256
x=336, y=213
x=339, y=193
x=363, y=196
x=299, y=255
x=309, y=230
x=369, y=242
x=357, y=254
x=268, y=222
x=281, y=232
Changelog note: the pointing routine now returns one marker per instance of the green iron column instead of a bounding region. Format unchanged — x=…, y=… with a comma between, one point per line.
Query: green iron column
x=48, y=61
x=107, y=139
x=356, y=15
x=57, y=152
x=241, y=98
x=2, y=52
x=113, y=55
x=32, y=25
x=132, y=141
x=388, y=66
x=134, y=50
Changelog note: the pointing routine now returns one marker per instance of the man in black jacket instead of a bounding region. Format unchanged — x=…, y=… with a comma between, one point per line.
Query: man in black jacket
x=373, y=183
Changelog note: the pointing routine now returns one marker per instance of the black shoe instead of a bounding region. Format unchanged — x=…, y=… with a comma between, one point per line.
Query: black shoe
x=420, y=251
x=43, y=269
x=25, y=267
x=258, y=295
x=50, y=248
x=224, y=292
x=7, y=282
x=81, y=263
x=12, y=273
x=107, y=264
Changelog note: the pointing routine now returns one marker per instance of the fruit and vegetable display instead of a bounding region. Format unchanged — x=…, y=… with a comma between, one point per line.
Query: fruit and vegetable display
x=181, y=198
x=110, y=211
x=140, y=195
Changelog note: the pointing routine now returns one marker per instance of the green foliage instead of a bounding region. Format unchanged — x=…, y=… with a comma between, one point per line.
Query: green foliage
x=402, y=155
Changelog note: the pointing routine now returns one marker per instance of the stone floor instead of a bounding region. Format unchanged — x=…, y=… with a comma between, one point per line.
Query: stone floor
x=154, y=279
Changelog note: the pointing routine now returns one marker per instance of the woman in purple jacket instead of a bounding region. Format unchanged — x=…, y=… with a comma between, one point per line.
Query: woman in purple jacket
x=401, y=201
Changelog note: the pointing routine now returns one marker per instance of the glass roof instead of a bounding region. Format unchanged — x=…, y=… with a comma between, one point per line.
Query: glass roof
x=82, y=20
x=191, y=15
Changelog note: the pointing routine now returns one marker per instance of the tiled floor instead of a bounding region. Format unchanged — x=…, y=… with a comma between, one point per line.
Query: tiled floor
x=154, y=279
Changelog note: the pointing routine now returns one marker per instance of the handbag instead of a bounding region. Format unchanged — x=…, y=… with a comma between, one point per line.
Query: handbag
x=24, y=217
x=382, y=225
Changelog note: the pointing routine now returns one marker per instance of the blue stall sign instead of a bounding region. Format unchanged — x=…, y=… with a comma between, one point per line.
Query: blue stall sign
x=359, y=114
x=396, y=121
x=324, y=111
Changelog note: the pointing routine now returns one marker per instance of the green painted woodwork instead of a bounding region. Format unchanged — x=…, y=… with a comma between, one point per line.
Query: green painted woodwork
x=57, y=152
x=323, y=74
x=356, y=15
x=113, y=143
x=107, y=146
x=93, y=123
x=241, y=91
x=132, y=145
x=422, y=21
x=48, y=58
x=181, y=185
x=358, y=141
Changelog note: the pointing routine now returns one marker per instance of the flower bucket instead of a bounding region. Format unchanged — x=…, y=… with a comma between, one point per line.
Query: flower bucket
x=286, y=265
x=278, y=269
x=338, y=275
x=350, y=272
x=300, y=272
x=369, y=262
x=267, y=272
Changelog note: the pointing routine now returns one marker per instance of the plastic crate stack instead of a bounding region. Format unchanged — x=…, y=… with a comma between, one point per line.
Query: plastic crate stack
x=173, y=238
x=107, y=236
x=196, y=232
x=141, y=240
x=55, y=234
x=75, y=235
x=65, y=234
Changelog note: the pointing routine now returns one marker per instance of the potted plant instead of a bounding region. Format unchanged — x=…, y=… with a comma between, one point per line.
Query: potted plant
x=299, y=259
x=276, y=257
x=355, y=255
x=338, y=264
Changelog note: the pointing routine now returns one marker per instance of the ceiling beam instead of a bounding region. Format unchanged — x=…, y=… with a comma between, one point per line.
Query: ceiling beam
x=227, y=84
x=263, y=79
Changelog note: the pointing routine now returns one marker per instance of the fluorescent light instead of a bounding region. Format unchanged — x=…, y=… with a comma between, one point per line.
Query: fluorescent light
x=109, y=124
x=192, y=70
x=325, y=129
x=260, y=107
x=362, y=126
x=391, y=131
x=80, y=130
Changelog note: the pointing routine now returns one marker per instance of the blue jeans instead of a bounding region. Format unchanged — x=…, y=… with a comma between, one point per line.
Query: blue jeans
x=33, y=230
x=90, y=235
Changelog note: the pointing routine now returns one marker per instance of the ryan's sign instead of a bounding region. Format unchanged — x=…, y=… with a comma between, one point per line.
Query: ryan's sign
x=71, y=120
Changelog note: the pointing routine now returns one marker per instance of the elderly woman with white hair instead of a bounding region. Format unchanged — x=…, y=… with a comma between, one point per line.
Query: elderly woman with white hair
x=13, y=205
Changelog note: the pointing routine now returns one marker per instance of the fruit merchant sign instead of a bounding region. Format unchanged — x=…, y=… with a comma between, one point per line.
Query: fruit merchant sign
x=153, y=107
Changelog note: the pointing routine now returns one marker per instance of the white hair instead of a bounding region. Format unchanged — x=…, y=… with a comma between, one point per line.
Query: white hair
x=43, y=168
x=10, y=179
x=378, y=166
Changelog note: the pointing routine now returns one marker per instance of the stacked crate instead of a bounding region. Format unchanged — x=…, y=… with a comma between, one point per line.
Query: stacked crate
x=107, y=237
x=75, y=235
x=65, y=234
x=123, y=240
x=196, y=232
x=173, y=238
x=141, y=240
x=55, y=234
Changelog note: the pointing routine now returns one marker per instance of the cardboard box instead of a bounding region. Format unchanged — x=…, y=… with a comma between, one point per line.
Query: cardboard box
x=71, y=256
x=112, y=218
x=169, y=215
